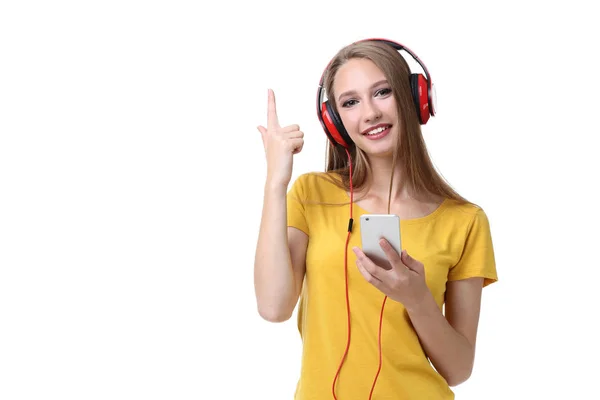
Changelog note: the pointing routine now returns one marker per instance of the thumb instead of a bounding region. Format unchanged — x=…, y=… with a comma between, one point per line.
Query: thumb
x=411, y=263
x=263, y=132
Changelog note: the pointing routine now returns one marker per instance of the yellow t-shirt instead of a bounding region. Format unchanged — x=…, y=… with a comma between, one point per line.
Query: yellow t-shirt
x=453, y=242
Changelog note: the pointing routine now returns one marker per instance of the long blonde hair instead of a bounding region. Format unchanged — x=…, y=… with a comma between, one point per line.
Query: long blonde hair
x=421, y=175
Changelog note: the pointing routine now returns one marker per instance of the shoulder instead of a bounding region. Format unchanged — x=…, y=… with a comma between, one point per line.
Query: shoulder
x=464, y=211
x=472, y=237
x=464, y=217
x=316, y=182
x=470, y=223
x=317, y=177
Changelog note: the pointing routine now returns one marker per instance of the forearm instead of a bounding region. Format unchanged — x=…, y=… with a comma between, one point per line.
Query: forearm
x=273, y=274
x=449, y=351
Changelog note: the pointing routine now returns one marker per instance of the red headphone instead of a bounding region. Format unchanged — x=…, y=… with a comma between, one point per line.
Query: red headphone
x=423, y=93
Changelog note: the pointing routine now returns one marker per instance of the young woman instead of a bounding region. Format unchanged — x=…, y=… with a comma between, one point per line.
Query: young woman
x=402, y=331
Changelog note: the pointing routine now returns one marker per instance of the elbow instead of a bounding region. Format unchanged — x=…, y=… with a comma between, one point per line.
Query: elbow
x=276, y=307
x=272, y=314
x=460, y=376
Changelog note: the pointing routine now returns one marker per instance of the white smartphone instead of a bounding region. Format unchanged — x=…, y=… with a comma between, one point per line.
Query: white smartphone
x=373, y=227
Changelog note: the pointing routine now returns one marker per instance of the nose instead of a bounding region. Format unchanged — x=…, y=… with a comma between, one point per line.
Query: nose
x=370, y=111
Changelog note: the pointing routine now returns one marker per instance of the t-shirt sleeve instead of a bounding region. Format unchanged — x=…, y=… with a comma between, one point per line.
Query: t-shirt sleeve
x=296, y=210
x=477, y=258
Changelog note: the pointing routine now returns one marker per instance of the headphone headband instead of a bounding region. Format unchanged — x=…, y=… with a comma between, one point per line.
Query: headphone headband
x=393, y=44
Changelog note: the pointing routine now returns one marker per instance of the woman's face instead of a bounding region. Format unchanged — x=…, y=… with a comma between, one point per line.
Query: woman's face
x=367, y=106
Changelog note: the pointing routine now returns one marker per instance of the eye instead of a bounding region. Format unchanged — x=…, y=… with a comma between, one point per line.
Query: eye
x=380, y=92
x=348, y=103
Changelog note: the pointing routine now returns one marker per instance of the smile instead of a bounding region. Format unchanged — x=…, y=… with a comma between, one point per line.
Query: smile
x=377, y=132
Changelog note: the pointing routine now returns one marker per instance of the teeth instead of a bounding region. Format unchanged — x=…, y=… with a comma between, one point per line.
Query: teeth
x=376, y=131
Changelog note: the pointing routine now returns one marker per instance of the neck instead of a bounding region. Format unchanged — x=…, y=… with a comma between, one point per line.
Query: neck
x=379, y=180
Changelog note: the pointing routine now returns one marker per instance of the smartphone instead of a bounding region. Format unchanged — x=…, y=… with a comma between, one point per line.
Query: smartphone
x=373, y=227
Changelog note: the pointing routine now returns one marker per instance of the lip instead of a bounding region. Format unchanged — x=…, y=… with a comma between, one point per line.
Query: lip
x=375, y=127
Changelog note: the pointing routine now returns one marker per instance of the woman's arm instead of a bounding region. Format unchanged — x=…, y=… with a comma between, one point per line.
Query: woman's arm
x=279, y=262
x=449, y=341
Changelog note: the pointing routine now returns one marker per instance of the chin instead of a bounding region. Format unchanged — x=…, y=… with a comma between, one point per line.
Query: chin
x=383, y=147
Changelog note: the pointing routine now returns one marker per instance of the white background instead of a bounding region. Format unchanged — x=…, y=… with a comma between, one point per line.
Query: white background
x=131, y=183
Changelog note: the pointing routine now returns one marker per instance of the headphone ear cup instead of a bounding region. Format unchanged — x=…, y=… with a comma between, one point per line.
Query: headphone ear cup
x=333, y=126
x=418, y=85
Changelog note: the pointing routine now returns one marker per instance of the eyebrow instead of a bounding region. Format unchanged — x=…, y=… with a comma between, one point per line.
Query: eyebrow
x=349, y=92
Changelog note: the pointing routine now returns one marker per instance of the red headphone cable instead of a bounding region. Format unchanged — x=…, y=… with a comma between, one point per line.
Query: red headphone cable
x=346, y=275
x=350, y=222
x=379, y=368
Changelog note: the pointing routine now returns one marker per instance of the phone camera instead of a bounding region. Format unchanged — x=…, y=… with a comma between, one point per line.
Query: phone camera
x=366, y=219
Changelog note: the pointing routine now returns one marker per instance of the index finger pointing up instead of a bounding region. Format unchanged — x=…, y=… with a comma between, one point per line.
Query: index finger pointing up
x=272, y=120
